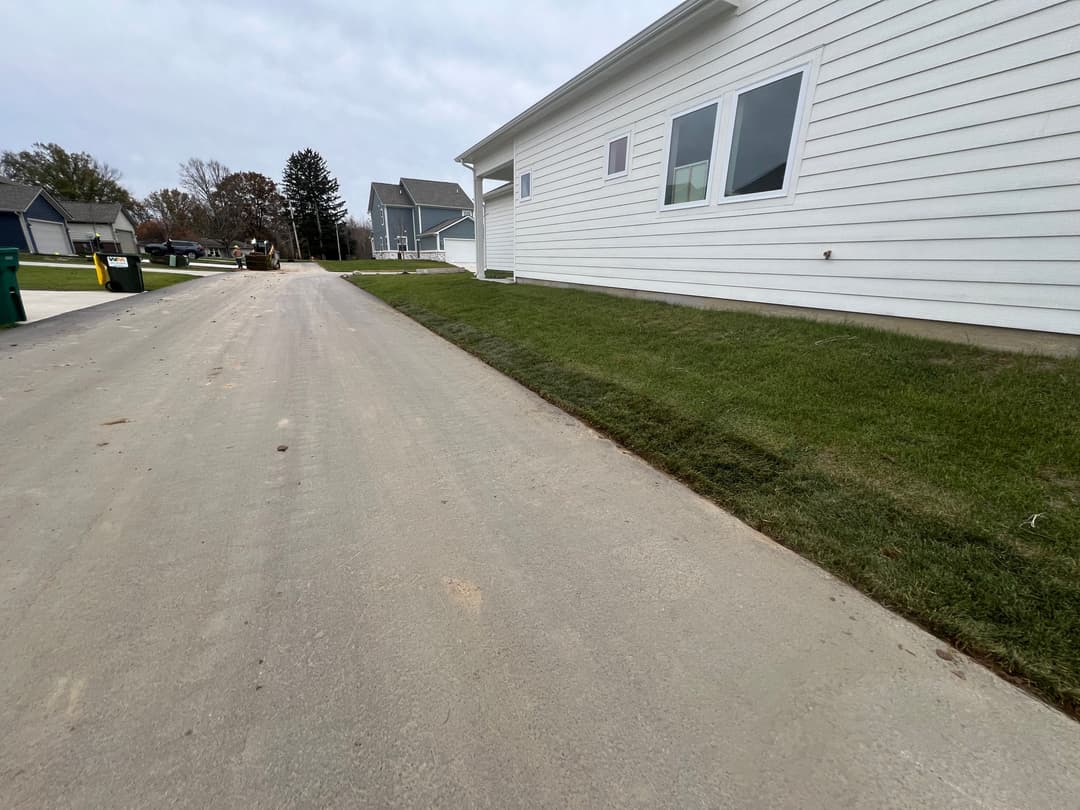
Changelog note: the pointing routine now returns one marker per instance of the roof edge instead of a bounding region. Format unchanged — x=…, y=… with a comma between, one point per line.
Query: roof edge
x=674, y=18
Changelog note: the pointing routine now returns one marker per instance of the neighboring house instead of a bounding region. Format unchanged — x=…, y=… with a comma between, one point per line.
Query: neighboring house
x=107, y=219
x=215, y=247
x=897, y=159
x=31, y=220
x=427, y=216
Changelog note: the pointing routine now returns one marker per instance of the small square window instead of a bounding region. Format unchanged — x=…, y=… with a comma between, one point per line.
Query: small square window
x=617, y=156
x=526, y=185
x=690, y=156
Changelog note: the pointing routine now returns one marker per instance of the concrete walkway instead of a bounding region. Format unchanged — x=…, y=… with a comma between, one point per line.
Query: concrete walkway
x=146, y=268
x=268, y=543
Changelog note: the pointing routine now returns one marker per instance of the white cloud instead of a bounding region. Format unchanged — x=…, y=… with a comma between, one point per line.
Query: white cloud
x=381, y=90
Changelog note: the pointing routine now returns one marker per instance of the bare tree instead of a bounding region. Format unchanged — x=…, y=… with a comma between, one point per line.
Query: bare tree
x=201, y=178
x=177, y=212
x=359, y=236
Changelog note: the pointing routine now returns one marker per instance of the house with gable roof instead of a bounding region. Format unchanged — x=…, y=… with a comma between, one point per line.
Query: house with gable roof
x=424, y=219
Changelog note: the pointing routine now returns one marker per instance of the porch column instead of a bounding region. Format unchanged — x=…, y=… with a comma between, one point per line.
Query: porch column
x=480, y=224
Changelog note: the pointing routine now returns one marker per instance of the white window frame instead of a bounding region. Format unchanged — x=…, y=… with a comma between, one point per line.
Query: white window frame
x=608, y=175
x=710, y=178
x=731, y=106
x=521, y=197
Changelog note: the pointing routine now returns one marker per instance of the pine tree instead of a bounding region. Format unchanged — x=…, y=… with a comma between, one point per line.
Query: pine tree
x=317, y=207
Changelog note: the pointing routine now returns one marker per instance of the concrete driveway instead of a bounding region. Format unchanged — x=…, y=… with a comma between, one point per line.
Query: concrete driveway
x=42, y=304
x=268, y=543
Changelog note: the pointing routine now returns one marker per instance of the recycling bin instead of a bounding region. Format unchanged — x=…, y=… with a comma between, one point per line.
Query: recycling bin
x=124, y=272
x=11, y=304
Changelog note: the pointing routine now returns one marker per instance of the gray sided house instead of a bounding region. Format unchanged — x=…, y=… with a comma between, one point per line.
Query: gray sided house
x=419, y=215
x=31, y=220
x=108, y=220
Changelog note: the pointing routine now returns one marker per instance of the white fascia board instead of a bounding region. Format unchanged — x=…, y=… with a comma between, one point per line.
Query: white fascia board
x=642, y=40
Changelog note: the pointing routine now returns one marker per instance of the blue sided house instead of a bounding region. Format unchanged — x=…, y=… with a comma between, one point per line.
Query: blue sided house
x=31, y=220
x=422, y=218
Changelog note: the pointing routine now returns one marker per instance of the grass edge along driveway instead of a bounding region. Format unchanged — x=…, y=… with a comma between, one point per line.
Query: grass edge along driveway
x=941, y=480
x=378, y=265
x=84, y=279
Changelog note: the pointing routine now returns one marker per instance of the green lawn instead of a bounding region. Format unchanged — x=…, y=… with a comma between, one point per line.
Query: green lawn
x=85, y=278
x=45, y=257
x=911, y=468
x=378, y=265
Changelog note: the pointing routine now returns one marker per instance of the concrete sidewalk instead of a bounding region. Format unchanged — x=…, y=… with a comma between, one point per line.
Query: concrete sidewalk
x=268, y=543
x=146, y=268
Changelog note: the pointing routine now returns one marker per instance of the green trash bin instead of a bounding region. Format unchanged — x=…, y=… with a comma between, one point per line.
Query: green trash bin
x=11, y=304
x=125, y=272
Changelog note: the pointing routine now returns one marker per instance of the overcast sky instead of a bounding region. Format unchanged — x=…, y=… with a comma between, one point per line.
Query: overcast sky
x=382, y=89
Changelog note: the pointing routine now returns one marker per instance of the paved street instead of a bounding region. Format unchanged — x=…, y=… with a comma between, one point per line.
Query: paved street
x=443, y=592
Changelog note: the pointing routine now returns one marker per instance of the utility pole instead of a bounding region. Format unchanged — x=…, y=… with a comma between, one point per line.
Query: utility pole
x=296, y=238
x=337, y=236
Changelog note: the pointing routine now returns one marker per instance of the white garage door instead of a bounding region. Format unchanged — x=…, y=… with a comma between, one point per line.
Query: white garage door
x=50, y=237
x=461, y=252
x=127, y=242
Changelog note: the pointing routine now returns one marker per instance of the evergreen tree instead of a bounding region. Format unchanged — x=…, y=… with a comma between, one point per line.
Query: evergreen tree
x=317, y=207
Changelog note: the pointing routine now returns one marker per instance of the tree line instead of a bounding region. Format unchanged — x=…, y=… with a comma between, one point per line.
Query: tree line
x=304, y=214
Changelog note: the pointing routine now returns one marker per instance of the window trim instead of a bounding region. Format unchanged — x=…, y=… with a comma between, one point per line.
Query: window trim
x=608, y=175
x=710, y=178
x=526, y=173
x=731, y=104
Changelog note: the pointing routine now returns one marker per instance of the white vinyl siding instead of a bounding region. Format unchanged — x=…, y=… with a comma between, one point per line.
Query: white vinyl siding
x=499, y=216
x=937, y=156
x=84, y=231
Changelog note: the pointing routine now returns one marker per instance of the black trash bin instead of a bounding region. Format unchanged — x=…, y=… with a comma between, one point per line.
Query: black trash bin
x=11, y=304
x=125, y=272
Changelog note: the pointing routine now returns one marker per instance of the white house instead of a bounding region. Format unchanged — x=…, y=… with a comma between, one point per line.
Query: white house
x=116, y=229
x=897, y=158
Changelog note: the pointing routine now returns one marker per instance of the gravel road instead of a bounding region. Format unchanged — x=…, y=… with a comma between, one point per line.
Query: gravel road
x=265, y=542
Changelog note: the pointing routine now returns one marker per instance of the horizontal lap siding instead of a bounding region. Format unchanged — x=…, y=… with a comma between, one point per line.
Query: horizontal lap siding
x=941, y=166
x=499, y=220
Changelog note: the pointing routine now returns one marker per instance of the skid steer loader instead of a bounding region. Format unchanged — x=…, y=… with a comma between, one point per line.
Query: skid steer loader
x=263, y=257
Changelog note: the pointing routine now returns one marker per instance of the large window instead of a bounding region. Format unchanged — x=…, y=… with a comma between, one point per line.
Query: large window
x=762, y=137
x=690, y=156
x=618, y=156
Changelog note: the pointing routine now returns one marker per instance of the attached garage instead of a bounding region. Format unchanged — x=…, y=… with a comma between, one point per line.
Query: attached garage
x=461, y=252
x=32, y=221
x=456, y=238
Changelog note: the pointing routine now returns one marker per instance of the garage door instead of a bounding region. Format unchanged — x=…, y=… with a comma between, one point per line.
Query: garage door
x=50, y=237
x=127, y=242
x=461, y=252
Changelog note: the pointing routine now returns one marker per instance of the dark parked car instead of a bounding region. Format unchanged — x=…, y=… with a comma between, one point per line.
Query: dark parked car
x=177, y=247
